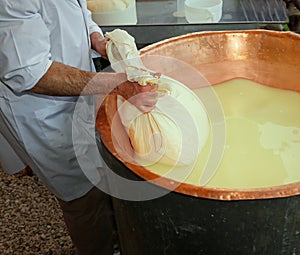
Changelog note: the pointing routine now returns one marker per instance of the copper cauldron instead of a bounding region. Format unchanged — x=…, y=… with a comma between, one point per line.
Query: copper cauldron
x=193, y=219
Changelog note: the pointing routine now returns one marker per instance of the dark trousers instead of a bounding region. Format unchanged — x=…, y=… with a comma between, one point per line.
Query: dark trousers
x=89, y=220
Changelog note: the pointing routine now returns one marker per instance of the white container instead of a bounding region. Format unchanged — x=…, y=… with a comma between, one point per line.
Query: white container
x=203, y=11
x=111, y=13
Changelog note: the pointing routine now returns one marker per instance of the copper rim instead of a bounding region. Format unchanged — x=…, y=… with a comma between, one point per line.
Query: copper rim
x=267, y=57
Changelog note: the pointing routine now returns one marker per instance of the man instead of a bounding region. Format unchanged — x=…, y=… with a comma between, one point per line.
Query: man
x=45, y=64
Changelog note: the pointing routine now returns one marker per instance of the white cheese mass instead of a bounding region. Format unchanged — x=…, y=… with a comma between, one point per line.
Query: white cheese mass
x=177, y=129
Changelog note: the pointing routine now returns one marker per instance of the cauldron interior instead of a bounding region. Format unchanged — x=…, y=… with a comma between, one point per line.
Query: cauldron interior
x=266, y=57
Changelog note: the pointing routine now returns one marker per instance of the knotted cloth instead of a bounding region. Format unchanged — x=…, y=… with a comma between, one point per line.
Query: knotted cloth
x=175, y=131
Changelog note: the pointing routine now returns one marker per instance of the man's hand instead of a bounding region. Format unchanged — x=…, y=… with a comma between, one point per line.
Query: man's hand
x=145, y=97
x=142, y=97
x=99, y=44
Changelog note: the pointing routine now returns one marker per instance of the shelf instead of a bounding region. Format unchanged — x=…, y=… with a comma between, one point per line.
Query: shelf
x=155, y=19
x=234, y=11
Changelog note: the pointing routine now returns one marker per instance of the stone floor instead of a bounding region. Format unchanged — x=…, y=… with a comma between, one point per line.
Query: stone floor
x=30, y=218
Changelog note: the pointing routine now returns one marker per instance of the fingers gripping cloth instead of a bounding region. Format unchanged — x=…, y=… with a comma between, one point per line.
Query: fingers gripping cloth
x=175, y=131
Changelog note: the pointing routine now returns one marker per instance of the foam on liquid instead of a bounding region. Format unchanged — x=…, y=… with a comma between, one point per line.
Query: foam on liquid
x=262, y=146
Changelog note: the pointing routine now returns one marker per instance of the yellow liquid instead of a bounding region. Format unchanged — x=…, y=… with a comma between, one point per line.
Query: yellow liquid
x=262, y=138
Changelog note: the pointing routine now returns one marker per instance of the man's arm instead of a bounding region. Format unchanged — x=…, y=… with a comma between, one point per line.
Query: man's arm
x=64, y=80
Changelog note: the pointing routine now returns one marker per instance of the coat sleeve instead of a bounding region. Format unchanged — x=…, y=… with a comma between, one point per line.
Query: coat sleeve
x=25, y=46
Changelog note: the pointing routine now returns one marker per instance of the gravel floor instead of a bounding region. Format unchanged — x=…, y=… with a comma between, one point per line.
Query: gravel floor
x=30, y=218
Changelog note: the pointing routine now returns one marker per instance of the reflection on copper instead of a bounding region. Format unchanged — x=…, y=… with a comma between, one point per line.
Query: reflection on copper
x=236, y=47
x=267, y=57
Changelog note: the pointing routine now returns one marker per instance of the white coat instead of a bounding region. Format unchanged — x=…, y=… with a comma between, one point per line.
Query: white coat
x=38, y=130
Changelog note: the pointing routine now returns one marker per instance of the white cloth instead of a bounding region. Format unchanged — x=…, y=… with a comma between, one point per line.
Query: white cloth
x=124, y=57
x=175, y=131
x=32, y=35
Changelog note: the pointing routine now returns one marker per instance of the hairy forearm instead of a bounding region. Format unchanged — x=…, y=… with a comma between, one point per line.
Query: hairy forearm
x=63, y=80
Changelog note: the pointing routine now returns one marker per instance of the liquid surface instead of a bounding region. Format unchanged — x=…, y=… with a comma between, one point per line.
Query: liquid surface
x=262, y=139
